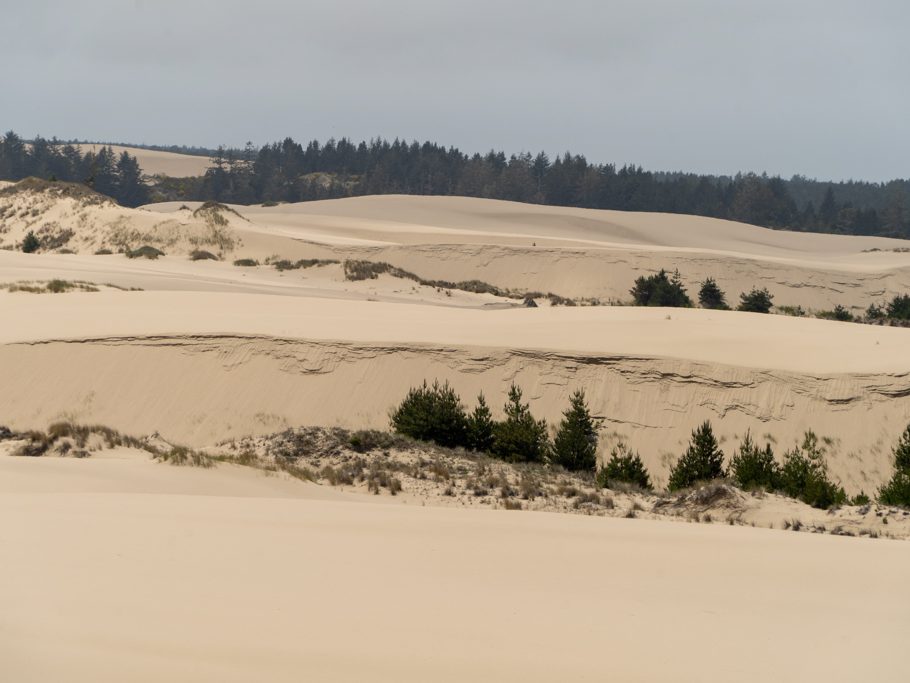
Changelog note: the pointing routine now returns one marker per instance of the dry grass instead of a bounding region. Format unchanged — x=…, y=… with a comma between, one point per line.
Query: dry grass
x=49, y=286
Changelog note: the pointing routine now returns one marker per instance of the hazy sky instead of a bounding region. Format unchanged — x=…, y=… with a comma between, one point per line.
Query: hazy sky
x=820, y=87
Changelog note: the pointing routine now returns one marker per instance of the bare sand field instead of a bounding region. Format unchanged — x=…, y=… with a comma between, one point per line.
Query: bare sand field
x=236, y=578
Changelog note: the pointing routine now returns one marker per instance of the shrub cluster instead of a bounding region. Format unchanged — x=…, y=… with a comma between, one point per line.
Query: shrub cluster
x=666, y=290
x=803, y=474
x=660, y=289
x=145, y=252
x=434, y=412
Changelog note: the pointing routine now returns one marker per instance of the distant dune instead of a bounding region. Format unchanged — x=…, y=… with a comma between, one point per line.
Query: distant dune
x=153, y=162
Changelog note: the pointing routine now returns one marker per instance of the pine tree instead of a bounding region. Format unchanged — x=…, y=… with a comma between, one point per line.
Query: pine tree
x=481, y=427
x=660, y=289
x=756, y=301
x=626, y=467
x=754, y=468
x=702, y=461
x=712, y=296
x=804, y=475
x=520, y=437
x=432, y=413
x=30, y=244
x=897, y=490
x=575, y=445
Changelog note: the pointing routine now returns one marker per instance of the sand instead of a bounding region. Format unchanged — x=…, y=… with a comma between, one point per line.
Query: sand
x=235, y=585
x=153, y=162
x=117, y=568
x=202, y=367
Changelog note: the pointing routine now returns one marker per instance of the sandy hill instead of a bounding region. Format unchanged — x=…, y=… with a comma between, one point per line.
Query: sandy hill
x=71, y=217
x=201, y=367
x=154, y=162
x=115, y=567
x=579, y=253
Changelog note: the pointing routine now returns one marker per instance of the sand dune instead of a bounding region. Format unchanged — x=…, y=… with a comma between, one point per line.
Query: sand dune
x=196, y=368
x=153, y=162
x=66, y=216
x=115, y=567
x=581, y=253
x=219, y=586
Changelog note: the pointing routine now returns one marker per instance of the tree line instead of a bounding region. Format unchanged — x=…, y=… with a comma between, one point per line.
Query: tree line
x=117, y=176
x=289, y=171
x=435, y=413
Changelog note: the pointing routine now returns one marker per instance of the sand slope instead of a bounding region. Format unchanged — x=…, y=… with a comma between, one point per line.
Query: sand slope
x=201, y=367
x=205, y=587
x=153, y=162
x=581, y=253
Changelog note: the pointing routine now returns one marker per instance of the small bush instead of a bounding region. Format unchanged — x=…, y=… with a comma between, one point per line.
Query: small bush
x=756, y=301
x=36, y=445
x=202, y=255
x=702, y=461
x=860, y=499
x=246, y=262
x=104, y=251
x=520, y=437
x=575, y=445
x=30, y=244
x=660, y=290
x=754, y=468
x=898, y=308
x=58, y=286
x=875, y=312
x=182, y=456
x=837, y=313
x=712, y=296
x=366, y=440
x=625, y=467
x=145, y=252
x=795, y=311
x=432, y=413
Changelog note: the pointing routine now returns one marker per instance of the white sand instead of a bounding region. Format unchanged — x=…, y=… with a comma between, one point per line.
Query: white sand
x=212, y=587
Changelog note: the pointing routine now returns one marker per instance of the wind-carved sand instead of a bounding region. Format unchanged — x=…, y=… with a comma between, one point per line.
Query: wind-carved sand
x=115, y=567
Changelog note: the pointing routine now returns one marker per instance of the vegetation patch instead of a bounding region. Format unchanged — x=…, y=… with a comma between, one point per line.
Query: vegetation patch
x=145, y=251
x=202, y=255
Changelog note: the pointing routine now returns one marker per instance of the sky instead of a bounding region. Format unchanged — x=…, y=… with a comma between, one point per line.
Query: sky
x=812, y=87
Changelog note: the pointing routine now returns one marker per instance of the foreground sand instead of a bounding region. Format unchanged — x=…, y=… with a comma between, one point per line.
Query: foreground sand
x=238, y=581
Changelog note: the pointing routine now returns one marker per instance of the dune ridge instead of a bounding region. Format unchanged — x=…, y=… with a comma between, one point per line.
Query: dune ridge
x=202, y=389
